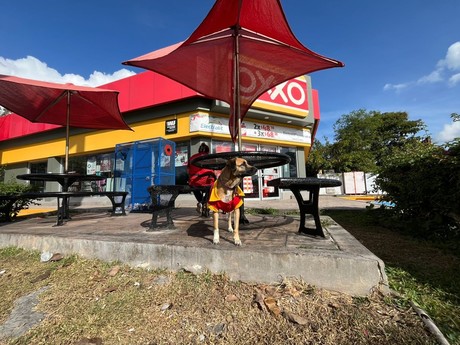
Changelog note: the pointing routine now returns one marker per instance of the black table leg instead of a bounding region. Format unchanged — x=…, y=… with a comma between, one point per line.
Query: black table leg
x=309, y=206
x=204, y=202
x=62, y=205
x=243, y=219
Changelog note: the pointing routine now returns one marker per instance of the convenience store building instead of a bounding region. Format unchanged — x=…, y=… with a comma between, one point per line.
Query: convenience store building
x=284, y=119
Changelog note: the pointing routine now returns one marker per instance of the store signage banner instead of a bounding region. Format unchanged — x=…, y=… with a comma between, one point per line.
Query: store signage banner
x=289, y=97
x=219, y=125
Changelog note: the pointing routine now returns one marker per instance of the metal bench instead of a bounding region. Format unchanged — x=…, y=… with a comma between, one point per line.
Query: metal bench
x=117, y=199
x=163, y=199
x=310, y=206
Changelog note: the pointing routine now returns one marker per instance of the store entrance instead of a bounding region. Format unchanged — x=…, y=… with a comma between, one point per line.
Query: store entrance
x=255, y=187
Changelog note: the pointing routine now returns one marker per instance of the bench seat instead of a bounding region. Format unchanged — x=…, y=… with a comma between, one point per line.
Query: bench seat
x=117, y=199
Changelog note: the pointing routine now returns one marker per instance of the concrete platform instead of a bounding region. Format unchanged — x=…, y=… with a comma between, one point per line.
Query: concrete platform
x=272, y=248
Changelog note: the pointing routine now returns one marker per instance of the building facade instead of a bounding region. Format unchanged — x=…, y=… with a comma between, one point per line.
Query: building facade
x=284, y=119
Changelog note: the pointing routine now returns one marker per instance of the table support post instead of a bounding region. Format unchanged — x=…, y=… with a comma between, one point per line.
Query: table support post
x=243, y=219
x=62, y=211
x=309, y=206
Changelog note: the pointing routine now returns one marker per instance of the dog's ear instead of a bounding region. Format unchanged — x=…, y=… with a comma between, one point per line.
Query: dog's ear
x=231, y=164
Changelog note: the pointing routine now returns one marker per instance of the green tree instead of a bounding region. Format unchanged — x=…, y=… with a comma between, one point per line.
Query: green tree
x=423, y=180
x=363, y=138
x=453, y=146
x=319, y=158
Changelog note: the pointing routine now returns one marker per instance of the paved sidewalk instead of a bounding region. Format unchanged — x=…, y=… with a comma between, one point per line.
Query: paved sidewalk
x=325, y=201
x=272, y=248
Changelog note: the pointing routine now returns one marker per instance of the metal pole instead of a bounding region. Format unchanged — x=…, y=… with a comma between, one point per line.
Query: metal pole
x=67, y=135
x=236, y=69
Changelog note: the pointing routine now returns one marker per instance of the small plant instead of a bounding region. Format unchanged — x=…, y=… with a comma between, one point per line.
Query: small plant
x=266, y=211
x=325, y=223
x=272, y=211
x=14, y=188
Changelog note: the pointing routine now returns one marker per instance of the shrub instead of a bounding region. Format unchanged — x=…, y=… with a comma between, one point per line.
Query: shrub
x=423, y=181
x=13, y=188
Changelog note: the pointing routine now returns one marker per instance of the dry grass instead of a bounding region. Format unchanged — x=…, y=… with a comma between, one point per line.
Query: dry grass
x=92, y=302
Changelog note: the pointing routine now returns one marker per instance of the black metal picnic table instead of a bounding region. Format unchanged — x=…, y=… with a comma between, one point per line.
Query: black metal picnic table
x=310, y=206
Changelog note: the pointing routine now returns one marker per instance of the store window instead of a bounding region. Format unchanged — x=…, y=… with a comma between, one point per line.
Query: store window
x=269, y=174
x=290, y=170
x=222, y=146
x=38, y=168
x=77, y=164
x=251, y=183
x=182, y=156
x=100, y=165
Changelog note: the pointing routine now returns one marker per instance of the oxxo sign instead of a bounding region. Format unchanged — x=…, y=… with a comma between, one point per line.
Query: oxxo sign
x=289, y=97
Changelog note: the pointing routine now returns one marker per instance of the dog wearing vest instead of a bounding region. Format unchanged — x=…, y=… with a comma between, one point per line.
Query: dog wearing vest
x=227, y=196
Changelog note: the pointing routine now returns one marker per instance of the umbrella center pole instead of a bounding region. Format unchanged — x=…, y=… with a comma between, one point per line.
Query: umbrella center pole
x=67, y=135
x=236, y=96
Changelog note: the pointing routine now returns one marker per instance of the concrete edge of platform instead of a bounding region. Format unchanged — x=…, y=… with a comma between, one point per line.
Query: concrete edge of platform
x=353, y=270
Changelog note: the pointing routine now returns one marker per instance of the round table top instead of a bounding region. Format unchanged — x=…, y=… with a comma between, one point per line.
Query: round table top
x=299, y=182
x=260, y=160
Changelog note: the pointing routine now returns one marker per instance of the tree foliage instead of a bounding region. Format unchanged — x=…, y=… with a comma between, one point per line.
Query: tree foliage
x=421, y=178
x=423, y=181
x=363, y=139
x=319, y=158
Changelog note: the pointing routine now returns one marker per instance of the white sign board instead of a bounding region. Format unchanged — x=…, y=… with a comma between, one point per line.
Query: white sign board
x=206, y=123
x=354, y=182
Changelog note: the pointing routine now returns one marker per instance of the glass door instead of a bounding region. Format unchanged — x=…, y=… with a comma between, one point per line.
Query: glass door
x=255, y=187
x=251, y=183
x=268, y=174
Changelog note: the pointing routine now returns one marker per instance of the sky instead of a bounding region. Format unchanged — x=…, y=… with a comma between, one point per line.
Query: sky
x=398, y=55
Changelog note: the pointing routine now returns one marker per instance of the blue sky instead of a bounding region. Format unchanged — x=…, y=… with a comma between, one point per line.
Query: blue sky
x=398, y=55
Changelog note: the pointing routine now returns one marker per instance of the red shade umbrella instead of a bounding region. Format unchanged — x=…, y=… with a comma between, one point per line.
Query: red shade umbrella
x=61, y=104
x=241, y=49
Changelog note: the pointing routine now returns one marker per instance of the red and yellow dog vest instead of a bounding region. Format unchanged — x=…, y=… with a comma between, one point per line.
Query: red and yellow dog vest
x=215, y=204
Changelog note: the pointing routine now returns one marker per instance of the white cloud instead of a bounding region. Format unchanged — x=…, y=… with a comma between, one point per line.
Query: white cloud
x=452, y=60
x=449, y=132
x=396, y=87
x=433, y=77
x=32, y=68
x=451, y=63
x=454, y=80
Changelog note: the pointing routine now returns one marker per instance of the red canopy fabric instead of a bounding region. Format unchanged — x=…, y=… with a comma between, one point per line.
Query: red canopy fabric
x=241, y=49
x=59, y=104
x=46, y=102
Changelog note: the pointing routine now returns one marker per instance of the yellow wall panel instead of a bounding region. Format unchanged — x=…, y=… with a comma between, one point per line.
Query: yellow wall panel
x=103, y=141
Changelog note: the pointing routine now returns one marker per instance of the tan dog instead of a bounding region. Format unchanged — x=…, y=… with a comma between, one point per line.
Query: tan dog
x=227, y=196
